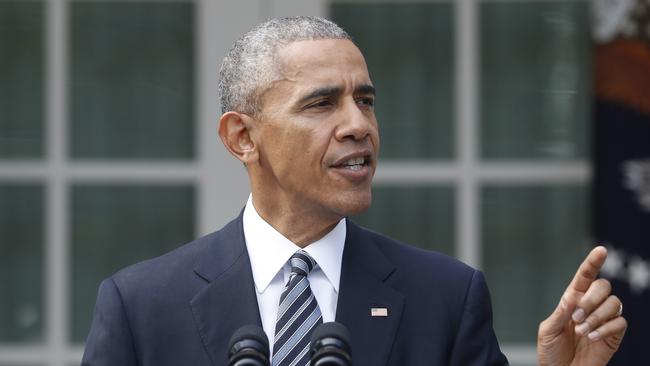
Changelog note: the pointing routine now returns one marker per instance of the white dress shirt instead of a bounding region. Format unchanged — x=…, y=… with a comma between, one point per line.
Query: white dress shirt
x=269, y=253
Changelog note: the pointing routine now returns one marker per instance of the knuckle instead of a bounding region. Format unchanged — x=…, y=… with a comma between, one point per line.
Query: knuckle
x=604, y=284
x=594, y=320
x=623, y=322
x=588, y=271
x=588, y=303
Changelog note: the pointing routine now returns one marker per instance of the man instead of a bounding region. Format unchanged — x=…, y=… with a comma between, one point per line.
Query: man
x=298, y=113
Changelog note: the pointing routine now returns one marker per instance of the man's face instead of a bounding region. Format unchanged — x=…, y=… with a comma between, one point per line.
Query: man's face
x=317, y=133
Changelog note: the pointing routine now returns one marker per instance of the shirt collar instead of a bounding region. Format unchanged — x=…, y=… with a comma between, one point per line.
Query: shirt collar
x=269, y=250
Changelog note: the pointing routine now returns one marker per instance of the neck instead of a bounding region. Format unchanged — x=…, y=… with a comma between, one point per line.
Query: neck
x=298, y=224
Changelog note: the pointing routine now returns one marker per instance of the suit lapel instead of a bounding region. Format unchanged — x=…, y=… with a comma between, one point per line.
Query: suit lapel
x=364, y=271
x=228, y=301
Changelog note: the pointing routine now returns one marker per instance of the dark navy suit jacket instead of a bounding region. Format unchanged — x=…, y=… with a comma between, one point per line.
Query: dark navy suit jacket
x=181, y=308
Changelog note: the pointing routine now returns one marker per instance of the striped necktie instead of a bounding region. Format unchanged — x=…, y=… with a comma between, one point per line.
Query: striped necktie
x=298, y=315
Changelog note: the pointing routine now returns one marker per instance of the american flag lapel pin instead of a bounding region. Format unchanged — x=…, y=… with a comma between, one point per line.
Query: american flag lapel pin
x=379, y=312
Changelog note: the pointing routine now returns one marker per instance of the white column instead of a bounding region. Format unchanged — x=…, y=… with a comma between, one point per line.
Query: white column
x=56, y=241
x=223, y=183
x=466, y=108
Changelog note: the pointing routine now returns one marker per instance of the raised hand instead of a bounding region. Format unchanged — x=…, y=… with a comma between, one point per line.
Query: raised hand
x=586, y=328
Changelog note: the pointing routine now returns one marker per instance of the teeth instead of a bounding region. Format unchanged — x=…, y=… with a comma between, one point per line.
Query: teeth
x=355, y=161
x=355, y=167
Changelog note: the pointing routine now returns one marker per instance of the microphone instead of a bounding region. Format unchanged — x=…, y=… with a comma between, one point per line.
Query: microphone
x=248, y=346
x=330, y=345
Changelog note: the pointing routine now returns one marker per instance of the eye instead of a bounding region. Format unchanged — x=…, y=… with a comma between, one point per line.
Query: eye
x=320, y=104
x=366, y=101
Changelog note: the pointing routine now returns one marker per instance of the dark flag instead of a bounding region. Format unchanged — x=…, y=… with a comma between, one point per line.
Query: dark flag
x=622, y=163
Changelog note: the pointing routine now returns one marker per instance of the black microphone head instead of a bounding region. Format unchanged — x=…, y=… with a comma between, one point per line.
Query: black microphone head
x=249, y=332
x=331, y=330
x=330, y=345
x=249, y=342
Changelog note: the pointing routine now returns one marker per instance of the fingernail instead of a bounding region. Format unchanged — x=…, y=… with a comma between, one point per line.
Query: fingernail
x=594, y=336
x=578, y=315
x=583, y=328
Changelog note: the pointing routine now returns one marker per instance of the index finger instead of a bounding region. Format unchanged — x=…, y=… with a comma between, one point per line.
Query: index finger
x=588, y=270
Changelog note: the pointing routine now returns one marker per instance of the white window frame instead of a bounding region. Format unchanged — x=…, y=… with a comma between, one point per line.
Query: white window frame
x=220, y=181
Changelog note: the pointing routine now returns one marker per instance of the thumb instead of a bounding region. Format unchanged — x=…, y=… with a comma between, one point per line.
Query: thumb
x=557, y=321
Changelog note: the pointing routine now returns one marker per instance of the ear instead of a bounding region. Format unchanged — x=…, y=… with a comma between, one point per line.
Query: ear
x=235, y=133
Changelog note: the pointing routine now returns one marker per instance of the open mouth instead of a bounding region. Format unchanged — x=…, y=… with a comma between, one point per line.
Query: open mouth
x=354, y=164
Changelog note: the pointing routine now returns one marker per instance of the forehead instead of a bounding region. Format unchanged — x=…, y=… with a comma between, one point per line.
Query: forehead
x=332, y=62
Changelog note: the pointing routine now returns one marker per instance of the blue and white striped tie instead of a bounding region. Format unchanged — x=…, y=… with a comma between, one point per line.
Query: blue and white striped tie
x=298, y=315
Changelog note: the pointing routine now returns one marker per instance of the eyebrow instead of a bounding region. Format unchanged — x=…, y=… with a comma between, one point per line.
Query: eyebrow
x=329, y=91
x=326, y=91
x=365, y=89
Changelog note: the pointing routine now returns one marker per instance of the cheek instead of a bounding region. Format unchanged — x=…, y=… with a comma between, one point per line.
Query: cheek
x=309, y=146
x=296, y=156
x=375, y=137
x=280, y=142
x=297, y=148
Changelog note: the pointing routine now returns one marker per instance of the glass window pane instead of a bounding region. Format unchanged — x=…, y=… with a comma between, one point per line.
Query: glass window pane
x=535, y=74
x=409, y=51
x=533, y=238
x=417, y=215
x=132, y=90
x=115, y=226
x=21, y=263
x=21, y=79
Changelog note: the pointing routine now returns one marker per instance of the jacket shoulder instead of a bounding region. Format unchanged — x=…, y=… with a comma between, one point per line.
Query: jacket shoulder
x=182, y=257
x=409, y=256
x=178, y=268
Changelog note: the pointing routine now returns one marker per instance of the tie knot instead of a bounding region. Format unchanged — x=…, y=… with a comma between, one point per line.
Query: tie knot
x=301, y=263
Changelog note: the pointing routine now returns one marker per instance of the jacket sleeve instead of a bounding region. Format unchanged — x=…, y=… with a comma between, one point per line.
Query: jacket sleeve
x=110, y=341
x=476, y=343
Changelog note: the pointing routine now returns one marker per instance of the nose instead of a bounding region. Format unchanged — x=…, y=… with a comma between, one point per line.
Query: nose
x=355, y=123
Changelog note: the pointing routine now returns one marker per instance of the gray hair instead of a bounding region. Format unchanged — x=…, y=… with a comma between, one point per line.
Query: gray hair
x=251, y=65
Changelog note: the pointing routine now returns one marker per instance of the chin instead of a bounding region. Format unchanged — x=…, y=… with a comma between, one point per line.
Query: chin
x=354, y=204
